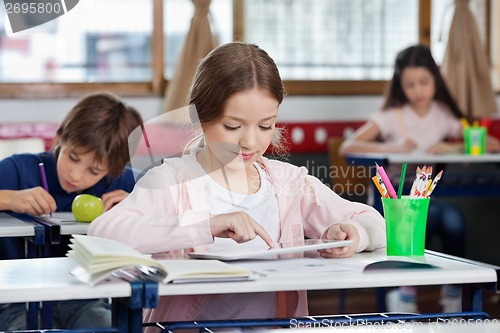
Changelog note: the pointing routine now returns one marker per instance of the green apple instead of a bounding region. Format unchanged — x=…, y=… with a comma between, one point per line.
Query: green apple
x=87, y=207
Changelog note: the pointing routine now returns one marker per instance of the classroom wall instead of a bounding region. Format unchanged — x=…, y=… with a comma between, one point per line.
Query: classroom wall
x=293, y=109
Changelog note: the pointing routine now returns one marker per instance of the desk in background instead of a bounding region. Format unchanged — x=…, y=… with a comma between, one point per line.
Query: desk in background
x=48, y=279
x=467, y=181
x=44, y=232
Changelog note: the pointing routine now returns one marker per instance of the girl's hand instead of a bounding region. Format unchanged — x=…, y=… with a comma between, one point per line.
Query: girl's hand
x=406, y=147
x=110, y=199
x=238, y=226
x=34, y=201
x=341, y=231
x=446, y=148
x=492, y=144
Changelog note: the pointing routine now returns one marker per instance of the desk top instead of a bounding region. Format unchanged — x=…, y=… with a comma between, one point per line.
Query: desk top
x=427, y=158
x=47, y=279
x=350, y=275
x=13, y=227
x=66, y=221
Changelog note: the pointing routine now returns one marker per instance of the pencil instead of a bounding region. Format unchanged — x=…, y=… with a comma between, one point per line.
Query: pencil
x=464, y=122
x=402, y=180
x=434, y=183
x=383, y=192
x=44, y=178
x=386, y=180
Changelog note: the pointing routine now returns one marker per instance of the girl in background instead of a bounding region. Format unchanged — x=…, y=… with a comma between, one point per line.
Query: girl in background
x=419, y=114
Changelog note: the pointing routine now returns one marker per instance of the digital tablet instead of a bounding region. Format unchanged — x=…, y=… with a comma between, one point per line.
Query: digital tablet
x=280, y=248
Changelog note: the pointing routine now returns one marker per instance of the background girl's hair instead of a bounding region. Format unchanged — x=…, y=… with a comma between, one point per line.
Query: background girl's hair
x=229, y=69
x=100, y=123
x=417, y=56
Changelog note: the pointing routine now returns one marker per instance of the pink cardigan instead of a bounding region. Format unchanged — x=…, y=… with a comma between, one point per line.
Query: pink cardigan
x=167, y=211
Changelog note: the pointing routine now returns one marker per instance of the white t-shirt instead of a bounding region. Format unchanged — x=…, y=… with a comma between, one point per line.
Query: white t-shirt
x=262, y=206
x=436, y=126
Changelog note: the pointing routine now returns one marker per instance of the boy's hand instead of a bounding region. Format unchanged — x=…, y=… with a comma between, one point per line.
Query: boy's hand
x=34, y=201
x=238, y=226
x=341, y=232
x=110, y=199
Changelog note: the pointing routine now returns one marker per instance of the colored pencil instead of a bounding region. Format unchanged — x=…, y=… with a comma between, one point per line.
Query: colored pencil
x=44, y=178
x=402, y=180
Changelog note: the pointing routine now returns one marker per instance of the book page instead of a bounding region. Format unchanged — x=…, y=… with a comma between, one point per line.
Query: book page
x=202, y=270
x=60, y=217
x=98, y=258
x=294, y=266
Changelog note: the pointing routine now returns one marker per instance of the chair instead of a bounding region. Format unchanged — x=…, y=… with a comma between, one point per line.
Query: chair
x=348, y=181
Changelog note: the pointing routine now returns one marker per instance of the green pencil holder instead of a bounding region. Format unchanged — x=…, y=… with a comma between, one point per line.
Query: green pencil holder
x=475, y=140
x=405, y=222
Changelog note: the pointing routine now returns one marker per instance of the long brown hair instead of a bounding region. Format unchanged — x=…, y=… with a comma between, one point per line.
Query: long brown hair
x=229, y=69
x=417, y=56
x=100, y=123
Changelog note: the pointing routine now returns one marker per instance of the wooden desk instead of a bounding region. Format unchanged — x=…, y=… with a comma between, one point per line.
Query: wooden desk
x=48, y=279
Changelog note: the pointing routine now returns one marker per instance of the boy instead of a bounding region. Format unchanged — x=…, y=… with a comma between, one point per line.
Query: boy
x=90, y=154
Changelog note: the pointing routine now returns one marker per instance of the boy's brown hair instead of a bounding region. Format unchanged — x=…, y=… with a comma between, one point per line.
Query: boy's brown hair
x=100, y=123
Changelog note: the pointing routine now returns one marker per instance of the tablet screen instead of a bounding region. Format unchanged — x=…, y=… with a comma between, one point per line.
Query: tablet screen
x=273, y=253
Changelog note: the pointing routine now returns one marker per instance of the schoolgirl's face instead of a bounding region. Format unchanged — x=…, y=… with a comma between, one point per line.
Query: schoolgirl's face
x=77, y=169
x=246, y=128
x=419, y=86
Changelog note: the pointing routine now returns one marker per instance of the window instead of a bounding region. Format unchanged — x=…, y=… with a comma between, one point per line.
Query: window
x=332, y=40
x=177, y=18
x=442, y=14
x=131, y=46
x=87, y=44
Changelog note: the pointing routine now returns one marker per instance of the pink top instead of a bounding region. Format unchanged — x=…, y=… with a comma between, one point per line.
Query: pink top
x=436, y=126
x=168, y=211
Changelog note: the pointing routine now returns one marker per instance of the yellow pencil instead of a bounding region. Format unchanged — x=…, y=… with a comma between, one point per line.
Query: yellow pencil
x=383, y=192
x=429, y=183
x=464, y=122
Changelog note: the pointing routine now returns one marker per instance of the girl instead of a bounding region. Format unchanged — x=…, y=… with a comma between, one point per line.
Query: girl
x=419, y=114
x=224, y=193
x=89, y=156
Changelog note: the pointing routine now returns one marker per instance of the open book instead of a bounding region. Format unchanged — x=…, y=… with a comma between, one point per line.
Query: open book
x=99, y=258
